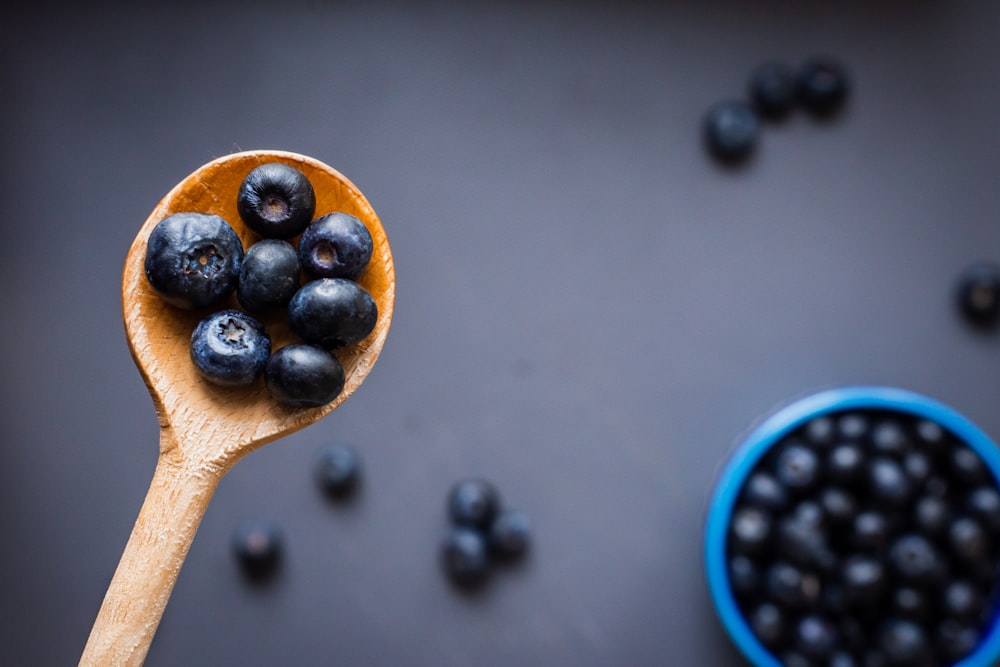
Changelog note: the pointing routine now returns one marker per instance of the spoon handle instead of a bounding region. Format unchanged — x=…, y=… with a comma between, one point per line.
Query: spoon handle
x=138, y=593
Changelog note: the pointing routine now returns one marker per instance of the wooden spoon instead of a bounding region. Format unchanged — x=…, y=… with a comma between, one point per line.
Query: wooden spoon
x=205, y=429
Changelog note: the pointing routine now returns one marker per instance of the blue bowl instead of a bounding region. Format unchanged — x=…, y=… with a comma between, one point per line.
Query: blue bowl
x=773, y=429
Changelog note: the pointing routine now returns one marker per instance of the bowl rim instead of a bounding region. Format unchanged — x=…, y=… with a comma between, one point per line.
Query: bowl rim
x=775, y=426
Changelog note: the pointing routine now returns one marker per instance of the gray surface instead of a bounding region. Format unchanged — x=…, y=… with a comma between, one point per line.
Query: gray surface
x=589, y=311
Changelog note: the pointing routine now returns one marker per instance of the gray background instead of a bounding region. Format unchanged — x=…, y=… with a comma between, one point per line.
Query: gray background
x=589, y=310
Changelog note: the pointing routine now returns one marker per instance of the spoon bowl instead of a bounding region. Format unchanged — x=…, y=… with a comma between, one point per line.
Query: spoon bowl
x=205, y=428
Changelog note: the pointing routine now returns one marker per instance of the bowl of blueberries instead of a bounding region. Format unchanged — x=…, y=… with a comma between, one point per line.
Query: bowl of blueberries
x=859, y=527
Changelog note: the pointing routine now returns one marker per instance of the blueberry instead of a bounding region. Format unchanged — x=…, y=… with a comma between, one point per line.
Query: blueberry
x=918, y=467
x=258, y=546
x=230, y=348
x=338, y=470
x=763, y=490
x=332, y=312
x=910, y=603
x=962, y=600
x=853, y=426
x=870, y=531
x=821, y=432
x=276, y=200
x=984, y=504
x=768, y=623
x=193, y=259
x=838, y=505
x=846, y=463
x=303, y=376
x=931, y=437
x=887, y=483
x=842, y=659
x=803, y=542
x=932, y=516
x=797, y=467
x=464, y=556
x=731, y=130
x=915, y=560
x=773, y=89
x=955, y=639
x=968, y=541
x=978, y=294
x=791, y=587
x=269, y=276
x=967, y=467
x=510, y=534
x=336, y=245
x=823, y=85
x=889, y=437
x=816, y=637
x=864, y=580
x=744, y=576
x=796, y=659
x=750, y=530
x=473, y=502
x=904, y=643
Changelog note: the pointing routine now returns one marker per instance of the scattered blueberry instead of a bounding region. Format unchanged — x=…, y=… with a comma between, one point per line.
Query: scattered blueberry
x=338, y=470
x=332, y=312
x=336, y=245
x=823, y=85
x=303, y=376
x=230, y=348
x=269, y=276
x=193, y=259
x=510, y=534
x=473, y=502
x=978, y=294
x=258, y=546
x=731, y=130
x=773, y=89
x=464, y=556
x=276, y=200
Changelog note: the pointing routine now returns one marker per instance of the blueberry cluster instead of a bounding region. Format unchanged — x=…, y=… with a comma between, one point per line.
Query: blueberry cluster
x=978, y=294
x=820, y=87
x=196, y=260
x=867, y=538
x=482, y=530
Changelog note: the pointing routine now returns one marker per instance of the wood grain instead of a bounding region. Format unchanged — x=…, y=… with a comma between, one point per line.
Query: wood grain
x=205, y=429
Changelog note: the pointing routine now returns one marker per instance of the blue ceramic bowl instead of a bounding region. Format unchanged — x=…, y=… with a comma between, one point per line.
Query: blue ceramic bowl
x=773, y=429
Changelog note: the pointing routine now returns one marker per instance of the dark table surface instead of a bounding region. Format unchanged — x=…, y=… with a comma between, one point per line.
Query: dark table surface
x=590, y=311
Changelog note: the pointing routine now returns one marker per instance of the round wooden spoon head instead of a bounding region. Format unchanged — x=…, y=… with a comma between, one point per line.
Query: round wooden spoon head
x=217, y=425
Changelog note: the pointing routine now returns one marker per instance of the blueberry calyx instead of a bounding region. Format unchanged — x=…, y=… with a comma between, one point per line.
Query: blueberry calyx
x=336, y=245
x=193, y=259
x=276, y=200
x=230, y=348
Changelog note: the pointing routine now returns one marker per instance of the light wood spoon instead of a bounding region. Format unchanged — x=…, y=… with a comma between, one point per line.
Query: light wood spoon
x=205, y=429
